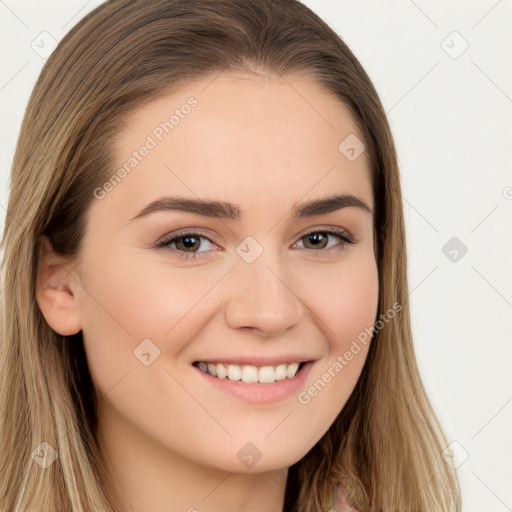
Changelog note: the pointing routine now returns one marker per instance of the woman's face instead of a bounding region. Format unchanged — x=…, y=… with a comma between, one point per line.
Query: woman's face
x=246, y=285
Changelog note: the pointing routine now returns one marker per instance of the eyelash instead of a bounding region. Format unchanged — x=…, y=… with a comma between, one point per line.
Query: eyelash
x=167, y=241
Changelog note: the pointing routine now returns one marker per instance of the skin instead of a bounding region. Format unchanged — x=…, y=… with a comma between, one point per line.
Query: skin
x=170, y=439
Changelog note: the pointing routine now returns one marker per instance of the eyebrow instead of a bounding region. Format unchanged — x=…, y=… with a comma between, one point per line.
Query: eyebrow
x=225, y=210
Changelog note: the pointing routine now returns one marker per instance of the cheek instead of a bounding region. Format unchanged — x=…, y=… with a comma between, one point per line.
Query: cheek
x=129, y=300
x=345, y=298
x=127, y=303
x=346, y=305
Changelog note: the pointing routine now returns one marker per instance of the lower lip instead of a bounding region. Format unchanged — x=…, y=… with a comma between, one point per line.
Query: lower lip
x=257, y=392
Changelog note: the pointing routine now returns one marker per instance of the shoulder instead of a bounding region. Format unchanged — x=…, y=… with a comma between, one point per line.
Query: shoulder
x=342, y=501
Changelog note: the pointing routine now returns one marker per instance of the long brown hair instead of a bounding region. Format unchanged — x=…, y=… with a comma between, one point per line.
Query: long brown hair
x=385, y=446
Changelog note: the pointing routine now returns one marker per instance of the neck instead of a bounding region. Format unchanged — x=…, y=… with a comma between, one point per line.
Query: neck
x=149, y=477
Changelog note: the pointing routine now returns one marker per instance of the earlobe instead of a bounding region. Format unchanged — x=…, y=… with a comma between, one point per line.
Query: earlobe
x=55, y=291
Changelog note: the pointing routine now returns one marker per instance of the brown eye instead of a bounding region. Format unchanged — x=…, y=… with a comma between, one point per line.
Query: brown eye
x=186, y=244
x=319, y=240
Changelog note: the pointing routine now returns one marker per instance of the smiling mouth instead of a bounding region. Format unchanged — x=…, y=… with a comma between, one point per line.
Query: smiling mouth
x=250, y=373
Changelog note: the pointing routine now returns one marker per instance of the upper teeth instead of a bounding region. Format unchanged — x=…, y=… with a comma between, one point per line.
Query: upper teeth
x=250, y=373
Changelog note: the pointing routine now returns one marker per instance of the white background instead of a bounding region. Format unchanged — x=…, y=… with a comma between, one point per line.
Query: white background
x=451, y=115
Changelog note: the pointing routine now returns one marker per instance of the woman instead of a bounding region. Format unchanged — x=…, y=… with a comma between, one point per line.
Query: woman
x=205, y=285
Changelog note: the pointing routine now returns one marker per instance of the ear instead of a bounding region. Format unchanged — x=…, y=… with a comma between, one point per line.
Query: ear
x=54, y=291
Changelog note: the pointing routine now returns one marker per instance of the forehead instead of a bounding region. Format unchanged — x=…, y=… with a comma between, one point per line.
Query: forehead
x=252, y=139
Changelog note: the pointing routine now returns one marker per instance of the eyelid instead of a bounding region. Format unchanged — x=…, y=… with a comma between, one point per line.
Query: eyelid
x=199, y=232
x=340, y=231
x=163, y=242
x=166, y=240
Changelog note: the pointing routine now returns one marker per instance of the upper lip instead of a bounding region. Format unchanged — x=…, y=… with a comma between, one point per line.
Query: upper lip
x=257, y=360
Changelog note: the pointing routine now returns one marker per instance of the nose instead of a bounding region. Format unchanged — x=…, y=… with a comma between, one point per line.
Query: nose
x=263, y=300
